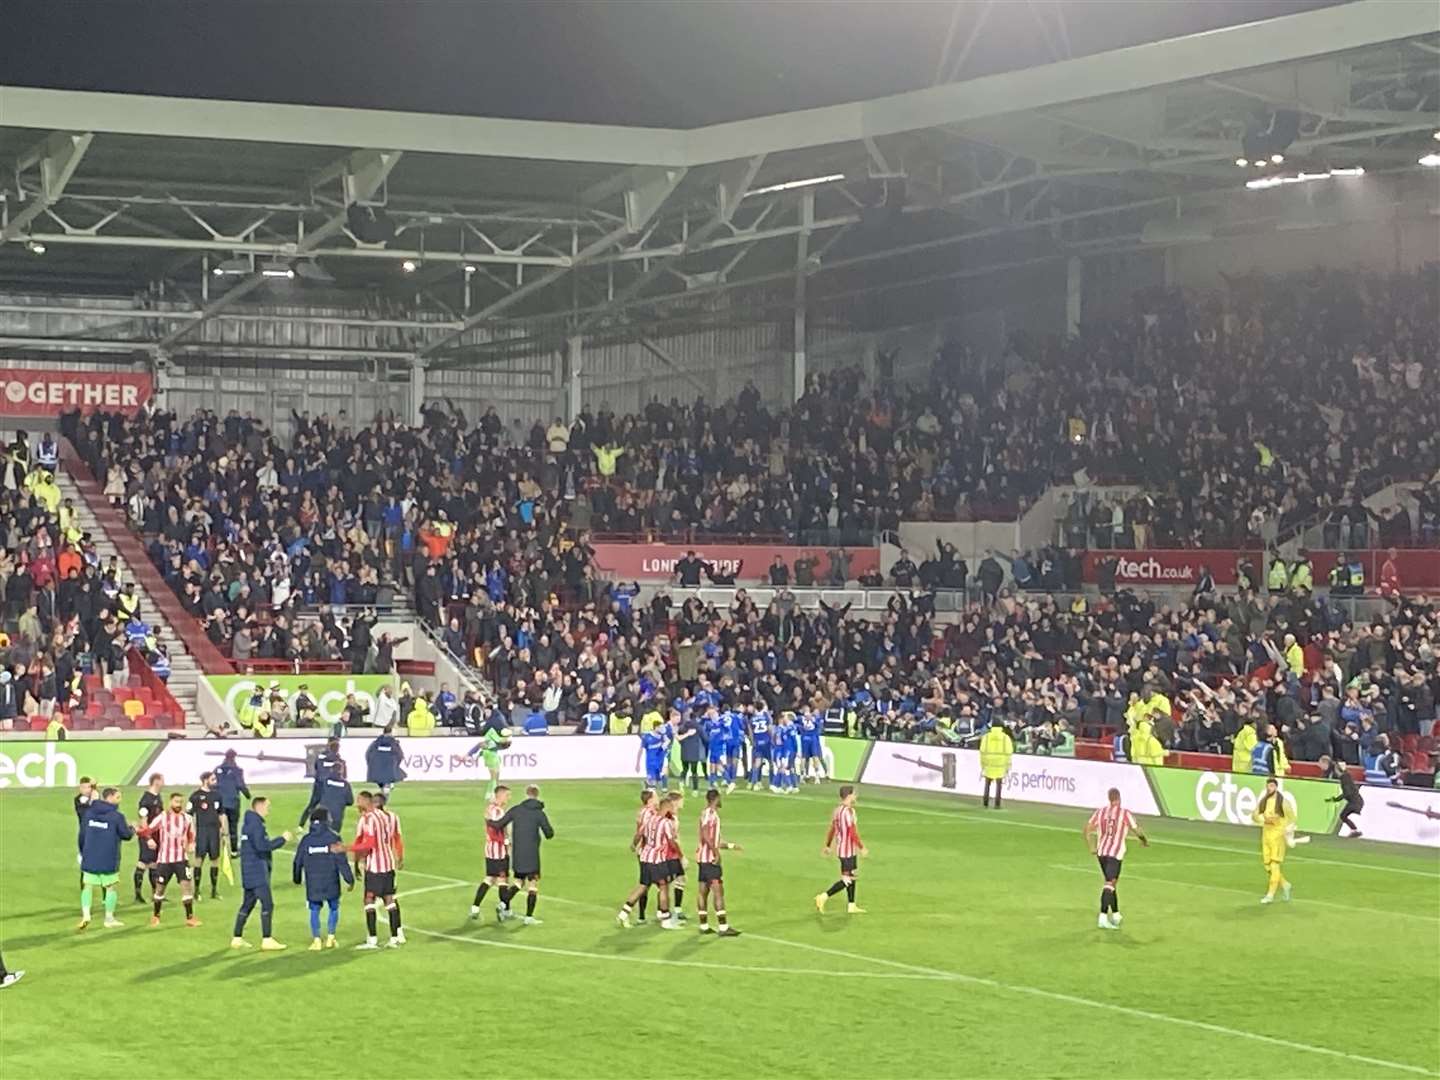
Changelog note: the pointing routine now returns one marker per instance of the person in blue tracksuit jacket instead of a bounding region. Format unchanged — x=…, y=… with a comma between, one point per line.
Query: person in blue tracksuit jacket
x=716, y=733
x=102, y=830
x=383, y=762
x=327, y=762
x=811, y=724
x=255, y=851
x=335, y=796
x=653, y=745
x=320, y=861
x=229, y=786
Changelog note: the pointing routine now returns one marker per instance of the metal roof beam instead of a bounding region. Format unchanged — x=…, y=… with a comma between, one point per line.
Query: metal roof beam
x=58, y=157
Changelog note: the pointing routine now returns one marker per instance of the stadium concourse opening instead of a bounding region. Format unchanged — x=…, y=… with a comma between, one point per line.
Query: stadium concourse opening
x=828, y=514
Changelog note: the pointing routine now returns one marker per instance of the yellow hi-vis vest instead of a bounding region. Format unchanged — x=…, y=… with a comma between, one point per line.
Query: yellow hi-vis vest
x=996, y=749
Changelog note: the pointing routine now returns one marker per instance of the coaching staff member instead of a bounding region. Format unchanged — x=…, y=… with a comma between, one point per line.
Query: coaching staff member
x=527, y=821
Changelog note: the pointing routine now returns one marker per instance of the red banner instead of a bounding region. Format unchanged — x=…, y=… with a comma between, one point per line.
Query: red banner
x=1170, y=567
x=1419, y=569
x=49, y=392
x=748, y=562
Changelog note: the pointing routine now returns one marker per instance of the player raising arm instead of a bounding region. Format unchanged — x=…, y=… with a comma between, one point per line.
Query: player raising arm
x=844, y=839
x=1105, y=834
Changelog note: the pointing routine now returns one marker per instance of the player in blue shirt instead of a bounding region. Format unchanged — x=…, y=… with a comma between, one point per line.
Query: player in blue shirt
x=787, y=748
x=717, y=738
x=735, y=746
x=653, y=745
x=812, y=723
x=760, y=744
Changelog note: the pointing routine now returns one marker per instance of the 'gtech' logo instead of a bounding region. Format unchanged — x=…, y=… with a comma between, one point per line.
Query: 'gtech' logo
x=37, y=770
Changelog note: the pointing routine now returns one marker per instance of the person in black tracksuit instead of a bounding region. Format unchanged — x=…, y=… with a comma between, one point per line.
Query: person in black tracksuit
x=527, y=821
x=256, y=849
x=327, y=763
x=230, y=784
x=335, y=796
x=1349, y=792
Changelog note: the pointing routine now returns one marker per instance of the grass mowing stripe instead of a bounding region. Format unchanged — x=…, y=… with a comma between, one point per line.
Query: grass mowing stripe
x=745, y=969
x=1144, y=877
x=1089, y=1003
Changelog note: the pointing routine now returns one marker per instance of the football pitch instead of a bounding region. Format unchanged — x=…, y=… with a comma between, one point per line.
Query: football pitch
x=978, y=955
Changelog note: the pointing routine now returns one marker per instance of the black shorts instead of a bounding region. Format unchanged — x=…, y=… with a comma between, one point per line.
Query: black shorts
x=527, y=873
x=1109, y=866
x=165, y=871
x=677, y=867
x=148, y=852
x=849, y=864
x=709, y=871
x=1353, y=806
x=207, y=843
x=380, y=884
x=655, y=873
x=497, y=867
x=641, y=866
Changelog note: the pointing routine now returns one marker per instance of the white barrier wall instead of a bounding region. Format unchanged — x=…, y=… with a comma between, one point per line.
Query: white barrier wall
x=1058, y=781
x=450, y=758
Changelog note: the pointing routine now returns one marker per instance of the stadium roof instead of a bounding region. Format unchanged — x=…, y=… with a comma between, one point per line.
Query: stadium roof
x=124, y=191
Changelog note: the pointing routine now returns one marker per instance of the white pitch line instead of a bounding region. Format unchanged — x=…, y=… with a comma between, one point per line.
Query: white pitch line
x=1143, y=877
x=1072, y=999
x=664, y=961
x=436, y=877
x=971, y=819
x=937, y=974
x=430, y=888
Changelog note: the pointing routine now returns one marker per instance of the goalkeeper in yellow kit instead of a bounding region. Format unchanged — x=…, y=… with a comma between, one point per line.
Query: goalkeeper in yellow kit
x=1274, y=816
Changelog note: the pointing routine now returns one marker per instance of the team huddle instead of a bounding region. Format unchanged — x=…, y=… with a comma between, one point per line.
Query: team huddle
x=732, y=742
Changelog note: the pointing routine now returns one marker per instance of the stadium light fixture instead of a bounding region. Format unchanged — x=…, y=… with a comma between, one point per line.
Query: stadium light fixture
x=35, y=247
x=1265, y=182
x=277, y=272
x=470, y=268
x=1242, y=162
x=791, y=185
x=408, y=266
x=1431, y=161
x=1277, y=159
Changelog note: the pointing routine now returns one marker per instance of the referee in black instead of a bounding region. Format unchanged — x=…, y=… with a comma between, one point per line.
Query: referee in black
x=204, y=809
x=1349, y=792
x=527, y=822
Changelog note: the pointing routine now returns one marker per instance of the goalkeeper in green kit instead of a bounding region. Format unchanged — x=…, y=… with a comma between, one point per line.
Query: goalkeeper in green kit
x=493, y=740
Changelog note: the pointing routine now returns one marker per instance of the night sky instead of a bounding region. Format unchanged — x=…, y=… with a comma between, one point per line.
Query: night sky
x=652, y=62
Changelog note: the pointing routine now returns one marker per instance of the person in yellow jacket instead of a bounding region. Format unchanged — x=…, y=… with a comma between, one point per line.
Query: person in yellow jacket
x=996, y=750
x=40, y=484
x=621, y=720
x=651, y=718
x=1275, y=816
x=606, y=458
x=421, y=720
x=264, y=724
x=1243, y=746
x=1150, y=705
x=1294, y=656
x=1145, y=748
x=249, y=708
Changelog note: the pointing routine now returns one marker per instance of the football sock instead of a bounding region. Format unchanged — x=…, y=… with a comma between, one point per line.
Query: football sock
x=189, y=903
x=677, y=894
x=266, y=918
x=507, y=893
x=704, y=917
x=112, y=900
x=139, y=880
x=156, y=905
x=850, y=891
x=314, y=919
x=370, y=920
x=530, y=898
x=332, y=917
x=214, y=879
x=720, y=918
x=838, y=887
x=394, y=909
x=644, y=902
x=1105, y=896
x=481, y=891
x=87, y=893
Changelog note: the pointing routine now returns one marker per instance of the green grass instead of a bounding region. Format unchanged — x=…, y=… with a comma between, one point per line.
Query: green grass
x=979, y=957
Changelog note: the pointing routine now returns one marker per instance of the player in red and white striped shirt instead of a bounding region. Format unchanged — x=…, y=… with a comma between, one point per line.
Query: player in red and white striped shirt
x=172, y=834
x=642, y=816
x=378, y=838
x=707, y=855
x=1105, y=833
x=844, y=838
x=497, y=858
x=655, y=840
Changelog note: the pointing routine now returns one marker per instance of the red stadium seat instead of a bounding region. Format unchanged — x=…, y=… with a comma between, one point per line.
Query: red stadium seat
x=134, y=682
x=38, y=723
x=144, y=723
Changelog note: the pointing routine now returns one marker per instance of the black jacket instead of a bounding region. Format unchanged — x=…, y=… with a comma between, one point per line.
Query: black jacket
x=527, y=821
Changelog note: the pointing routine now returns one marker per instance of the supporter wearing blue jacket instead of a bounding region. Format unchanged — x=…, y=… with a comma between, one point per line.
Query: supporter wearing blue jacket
x=229, y=786
x=320, y=861
x=103, y=829
x=255, y=851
